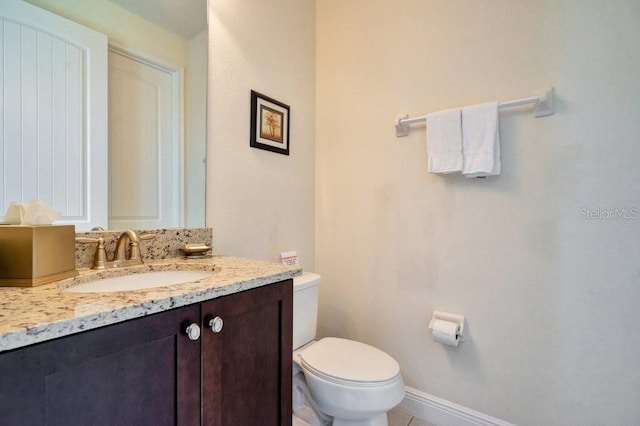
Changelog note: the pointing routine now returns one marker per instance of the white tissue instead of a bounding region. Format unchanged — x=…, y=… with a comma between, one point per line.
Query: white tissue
x=15, y=213
x=37, y=212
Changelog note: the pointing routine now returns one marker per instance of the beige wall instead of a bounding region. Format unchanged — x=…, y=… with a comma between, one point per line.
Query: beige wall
x=551, y=298
x=261, y=203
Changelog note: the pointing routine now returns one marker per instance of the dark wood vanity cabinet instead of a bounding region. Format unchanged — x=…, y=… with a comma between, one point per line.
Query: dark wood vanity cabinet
x=147, y=371
x=137, y=372
x=246, y=368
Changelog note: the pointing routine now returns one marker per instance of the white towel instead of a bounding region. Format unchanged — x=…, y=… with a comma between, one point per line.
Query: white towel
x=444, y=146
x=480, y=140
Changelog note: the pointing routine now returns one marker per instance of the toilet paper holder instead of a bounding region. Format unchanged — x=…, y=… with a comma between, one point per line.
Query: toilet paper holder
x=448, y=316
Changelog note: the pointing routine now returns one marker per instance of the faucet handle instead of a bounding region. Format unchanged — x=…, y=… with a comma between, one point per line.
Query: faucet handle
x=100, y=256
x=87, y=240
x=135, y=246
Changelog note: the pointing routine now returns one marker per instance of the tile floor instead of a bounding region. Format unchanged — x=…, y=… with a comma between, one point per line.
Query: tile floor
x=397, y=417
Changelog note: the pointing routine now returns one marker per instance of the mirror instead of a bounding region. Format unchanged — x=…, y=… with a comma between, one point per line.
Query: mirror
x=166, y=34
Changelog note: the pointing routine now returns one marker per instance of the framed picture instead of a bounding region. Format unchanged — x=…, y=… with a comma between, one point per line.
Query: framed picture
x=269, y=124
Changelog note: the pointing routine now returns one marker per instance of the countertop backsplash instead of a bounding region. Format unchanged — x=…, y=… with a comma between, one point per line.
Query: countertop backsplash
x=166, y=244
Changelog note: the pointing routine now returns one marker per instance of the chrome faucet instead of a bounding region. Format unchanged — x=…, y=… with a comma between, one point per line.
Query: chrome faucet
x=127, y=239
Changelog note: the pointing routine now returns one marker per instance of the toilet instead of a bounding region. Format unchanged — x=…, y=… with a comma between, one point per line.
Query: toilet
x=337, y=381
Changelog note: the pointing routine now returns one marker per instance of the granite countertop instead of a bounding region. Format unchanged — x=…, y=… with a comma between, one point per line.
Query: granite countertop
x=37, y=314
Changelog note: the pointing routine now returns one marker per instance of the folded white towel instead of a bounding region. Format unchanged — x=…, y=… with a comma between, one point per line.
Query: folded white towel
x=444, y=146
x=480, y=140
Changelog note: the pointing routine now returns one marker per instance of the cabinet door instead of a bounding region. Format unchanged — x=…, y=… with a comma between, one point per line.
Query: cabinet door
x=140, y=372
x=247, y=364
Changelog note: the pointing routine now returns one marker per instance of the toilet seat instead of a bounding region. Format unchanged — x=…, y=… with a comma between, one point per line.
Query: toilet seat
x=349, y=363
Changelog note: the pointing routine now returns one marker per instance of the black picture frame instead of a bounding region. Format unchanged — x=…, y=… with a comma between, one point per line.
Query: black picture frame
x=269, y=124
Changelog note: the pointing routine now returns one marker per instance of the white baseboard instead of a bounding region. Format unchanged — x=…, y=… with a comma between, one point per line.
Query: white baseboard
x=441, y=412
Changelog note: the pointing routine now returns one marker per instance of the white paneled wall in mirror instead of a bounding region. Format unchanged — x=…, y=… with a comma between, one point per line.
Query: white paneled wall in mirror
x=53, y=84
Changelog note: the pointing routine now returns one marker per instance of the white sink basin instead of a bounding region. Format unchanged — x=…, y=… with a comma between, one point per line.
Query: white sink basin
x=140, y=281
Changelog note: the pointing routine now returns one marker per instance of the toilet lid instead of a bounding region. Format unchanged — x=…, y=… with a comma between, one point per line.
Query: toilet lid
x=349, y=360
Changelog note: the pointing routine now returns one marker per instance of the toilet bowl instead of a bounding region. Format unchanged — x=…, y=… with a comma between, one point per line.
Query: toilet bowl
x=349, y=382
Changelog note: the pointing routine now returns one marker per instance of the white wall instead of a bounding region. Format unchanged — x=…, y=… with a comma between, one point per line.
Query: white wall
x=551, y=298
x=261, y=203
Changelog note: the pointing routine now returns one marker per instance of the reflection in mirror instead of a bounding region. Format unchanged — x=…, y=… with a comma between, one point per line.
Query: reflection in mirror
x=157, y=107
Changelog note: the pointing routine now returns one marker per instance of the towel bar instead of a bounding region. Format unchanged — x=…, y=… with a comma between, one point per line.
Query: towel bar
x=543, y=103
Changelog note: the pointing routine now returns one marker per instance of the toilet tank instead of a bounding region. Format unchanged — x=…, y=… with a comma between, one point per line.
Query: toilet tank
x=306, y=289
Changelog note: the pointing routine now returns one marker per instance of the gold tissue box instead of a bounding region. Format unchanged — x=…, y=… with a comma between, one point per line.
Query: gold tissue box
x=36, y=255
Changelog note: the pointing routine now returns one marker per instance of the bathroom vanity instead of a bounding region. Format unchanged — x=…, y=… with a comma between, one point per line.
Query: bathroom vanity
x=214, y=352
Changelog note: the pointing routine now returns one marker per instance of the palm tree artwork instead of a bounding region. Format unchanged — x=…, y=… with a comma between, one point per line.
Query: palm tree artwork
x=271, y=124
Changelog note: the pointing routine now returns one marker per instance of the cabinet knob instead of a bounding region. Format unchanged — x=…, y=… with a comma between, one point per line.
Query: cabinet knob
x=216, y=324
x=193, y=331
